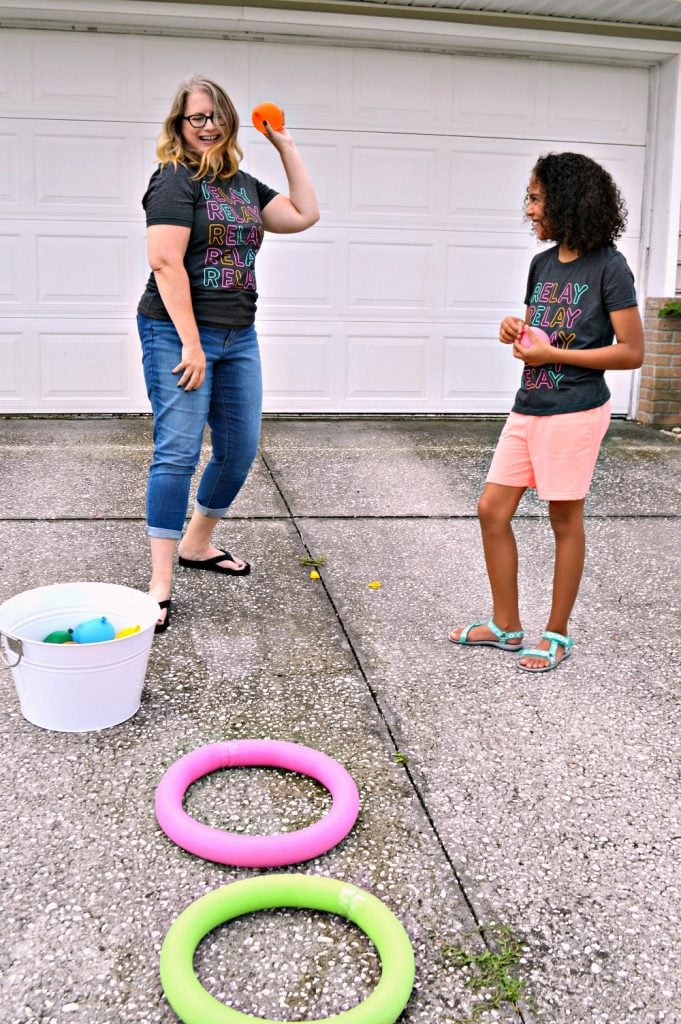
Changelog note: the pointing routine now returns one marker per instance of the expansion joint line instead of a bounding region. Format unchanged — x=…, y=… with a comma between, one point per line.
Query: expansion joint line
x=374, y=696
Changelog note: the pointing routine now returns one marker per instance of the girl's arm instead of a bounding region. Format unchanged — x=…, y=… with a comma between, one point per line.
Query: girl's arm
x=166, y=247
x=625, y=354
x=298, y=210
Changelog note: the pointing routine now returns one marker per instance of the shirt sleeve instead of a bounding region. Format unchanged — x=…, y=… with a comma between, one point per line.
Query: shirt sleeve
x=619, y=291
x=265, y=193
x=170, y=199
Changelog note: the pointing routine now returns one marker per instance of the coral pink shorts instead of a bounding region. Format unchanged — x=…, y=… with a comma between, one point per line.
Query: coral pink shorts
x=554, y=454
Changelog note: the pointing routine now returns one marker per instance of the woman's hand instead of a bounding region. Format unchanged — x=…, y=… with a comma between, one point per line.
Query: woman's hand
x=281, y=139
x=510, y=329
x=192, y=366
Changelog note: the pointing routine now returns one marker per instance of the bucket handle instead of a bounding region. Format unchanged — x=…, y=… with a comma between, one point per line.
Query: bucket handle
x=10, y=643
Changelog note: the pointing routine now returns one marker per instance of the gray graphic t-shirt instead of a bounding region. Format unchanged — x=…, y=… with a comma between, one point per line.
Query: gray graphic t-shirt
x=571, y=302
x=224, y=216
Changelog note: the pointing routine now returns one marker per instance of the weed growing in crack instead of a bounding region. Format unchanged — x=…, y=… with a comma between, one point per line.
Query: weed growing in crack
x=493, y=973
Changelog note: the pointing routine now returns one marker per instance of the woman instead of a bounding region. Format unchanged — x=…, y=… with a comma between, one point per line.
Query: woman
x=205, y=223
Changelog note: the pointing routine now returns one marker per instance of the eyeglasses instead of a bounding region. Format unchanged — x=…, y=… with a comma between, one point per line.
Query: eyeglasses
x=199, y=120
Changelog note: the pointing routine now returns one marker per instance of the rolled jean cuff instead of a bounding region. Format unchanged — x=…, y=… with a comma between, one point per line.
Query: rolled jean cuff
x=161, y=534
x=211, y=513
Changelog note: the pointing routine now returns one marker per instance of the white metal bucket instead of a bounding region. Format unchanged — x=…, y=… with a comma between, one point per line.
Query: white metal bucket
x=77, y=687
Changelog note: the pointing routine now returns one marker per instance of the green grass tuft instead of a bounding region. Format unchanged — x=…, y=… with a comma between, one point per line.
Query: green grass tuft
x=493, y=972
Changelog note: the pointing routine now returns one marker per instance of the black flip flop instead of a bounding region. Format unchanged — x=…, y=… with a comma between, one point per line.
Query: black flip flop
x=161, y=627
x=212, y=564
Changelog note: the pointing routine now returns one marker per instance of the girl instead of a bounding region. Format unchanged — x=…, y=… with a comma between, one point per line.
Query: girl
x=581, y=293
x=205, y=222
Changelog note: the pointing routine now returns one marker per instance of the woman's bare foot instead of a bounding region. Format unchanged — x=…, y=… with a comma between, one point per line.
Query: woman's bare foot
x=161, y=592
x=210, y=551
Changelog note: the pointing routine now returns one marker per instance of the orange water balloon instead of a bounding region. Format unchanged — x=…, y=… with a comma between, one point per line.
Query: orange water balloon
x=270, y=113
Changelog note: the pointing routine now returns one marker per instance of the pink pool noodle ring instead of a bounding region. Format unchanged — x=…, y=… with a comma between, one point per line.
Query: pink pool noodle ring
x=256, y=851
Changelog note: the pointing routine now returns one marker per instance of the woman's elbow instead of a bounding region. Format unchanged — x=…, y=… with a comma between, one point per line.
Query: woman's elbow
x=161, y=264
x=301, y=222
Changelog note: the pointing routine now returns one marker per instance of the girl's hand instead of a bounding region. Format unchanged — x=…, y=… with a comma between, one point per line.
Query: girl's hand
x=510, y=329
x=193, y=367
x=537, y=353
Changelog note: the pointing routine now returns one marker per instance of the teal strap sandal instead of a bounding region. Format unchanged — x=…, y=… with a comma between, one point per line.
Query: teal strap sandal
x=502, y=635
x=557, y=639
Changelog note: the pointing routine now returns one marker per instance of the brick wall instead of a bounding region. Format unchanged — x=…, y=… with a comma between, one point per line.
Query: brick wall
x=659, y=401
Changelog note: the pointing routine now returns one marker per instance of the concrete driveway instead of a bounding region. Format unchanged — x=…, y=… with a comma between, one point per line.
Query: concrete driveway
x=538, y=817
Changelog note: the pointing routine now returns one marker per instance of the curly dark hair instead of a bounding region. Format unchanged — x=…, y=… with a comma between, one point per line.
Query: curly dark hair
x=583, y=206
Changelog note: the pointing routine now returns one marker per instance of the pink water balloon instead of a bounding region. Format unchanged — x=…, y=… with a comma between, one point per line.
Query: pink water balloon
x=526, y=342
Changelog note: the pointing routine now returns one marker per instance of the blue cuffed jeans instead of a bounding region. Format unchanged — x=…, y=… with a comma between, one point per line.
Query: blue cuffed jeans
x=229, y=401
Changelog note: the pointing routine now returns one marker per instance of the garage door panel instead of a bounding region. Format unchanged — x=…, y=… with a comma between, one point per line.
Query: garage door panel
x=99, y=354
x=13, y=376
x=9, y=163
x=480, y=107
x=297, y=365
x=295, y=274
x=393, y=180
x=73, y=365
x=399, y=91
x=487, y=274
x=82, y=270
x=321, y=160
x=620, y=383
x=72, y=170
x=15, y=83
x=387, y=365
x=165, y=62
x=83, y=74
x=486, y=184
x=75, y=169
x=548, y=100
x=79, y=268
x=310, y=83
x=391, y=275
x=10, y=264
x=572, y=110
x=478, y=368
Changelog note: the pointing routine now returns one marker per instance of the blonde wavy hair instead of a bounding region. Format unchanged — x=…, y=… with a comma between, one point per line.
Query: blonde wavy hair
x=221, y=160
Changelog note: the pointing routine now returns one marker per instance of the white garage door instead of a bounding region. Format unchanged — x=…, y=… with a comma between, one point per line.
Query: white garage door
x=391, y=303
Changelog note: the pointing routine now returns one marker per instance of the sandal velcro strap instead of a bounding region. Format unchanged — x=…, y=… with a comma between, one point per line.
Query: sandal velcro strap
x=463, y=638
x=549, y=656
x=565, y=642
x=503, y=634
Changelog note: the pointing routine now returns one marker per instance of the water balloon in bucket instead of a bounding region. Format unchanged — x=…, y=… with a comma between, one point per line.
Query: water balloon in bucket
x=127, y=631
x=59, y=636
x=525, y=341
x=270, y=113
x=94, y=631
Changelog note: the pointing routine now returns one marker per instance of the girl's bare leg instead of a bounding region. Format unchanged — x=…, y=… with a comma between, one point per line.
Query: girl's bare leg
x=567, y=521
x=496, y=509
